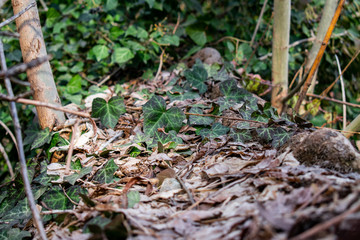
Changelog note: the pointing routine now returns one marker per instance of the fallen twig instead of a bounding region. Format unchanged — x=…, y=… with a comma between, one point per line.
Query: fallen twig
x=71, y=147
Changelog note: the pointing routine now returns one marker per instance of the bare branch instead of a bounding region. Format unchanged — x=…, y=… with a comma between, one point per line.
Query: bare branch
x=20, y=68
x=7, y=21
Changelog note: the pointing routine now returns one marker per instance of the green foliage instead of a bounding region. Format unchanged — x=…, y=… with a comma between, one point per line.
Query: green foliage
x=217, y=130
x=157, y=116
x=106, y=173
x=133, y=198
x=196, y=77
x=73, y=177
x=199, y=120
x=109, y=112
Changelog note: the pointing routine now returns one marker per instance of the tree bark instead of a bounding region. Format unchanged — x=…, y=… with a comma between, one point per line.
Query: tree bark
x=41, y=78
x=280, y=45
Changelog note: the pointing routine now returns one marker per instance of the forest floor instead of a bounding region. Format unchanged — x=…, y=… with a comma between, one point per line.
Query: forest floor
x=188, y=185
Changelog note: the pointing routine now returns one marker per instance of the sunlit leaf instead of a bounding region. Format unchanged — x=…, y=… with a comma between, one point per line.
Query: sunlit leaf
x=109, y=112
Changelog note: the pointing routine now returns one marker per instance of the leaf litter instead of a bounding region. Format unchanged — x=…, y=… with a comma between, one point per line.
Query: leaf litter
x=233, y=170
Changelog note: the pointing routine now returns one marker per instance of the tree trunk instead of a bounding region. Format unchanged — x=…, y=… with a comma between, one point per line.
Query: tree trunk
x=41, y=78
x=280, y=45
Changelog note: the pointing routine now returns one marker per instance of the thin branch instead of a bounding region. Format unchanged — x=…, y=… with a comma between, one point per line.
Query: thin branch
x=20, y=82
x=342, y=91
x=258, y=22
x=11, y=134
x=160, y=65
x=23, y=168
x=9, y=20
x=9, y=34
x=177, y=24
x=20, y=68
x=327, y=90
x=8, y=163
x=43, y=104
x=43, y=4
x=319, y=55
x=333, y=100
x=71, y=147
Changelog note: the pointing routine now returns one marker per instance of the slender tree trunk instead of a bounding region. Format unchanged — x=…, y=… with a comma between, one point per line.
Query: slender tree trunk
x=327, y=15
x=280, y=47
x=41, y=78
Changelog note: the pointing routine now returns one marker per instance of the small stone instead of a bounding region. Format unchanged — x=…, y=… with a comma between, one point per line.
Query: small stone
x=325, y=148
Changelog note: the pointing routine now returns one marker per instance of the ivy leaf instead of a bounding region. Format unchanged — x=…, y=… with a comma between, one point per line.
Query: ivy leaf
x=133, y=198
x=42, y=137
x=122, y=55
x=100, y=52
x=170, y=39
x=106, y=174
x=197, y=77
x=109, y=112
x=31, y=134
x=199, y=120
x=266, y=133
x=73, y=177
x=15, y=234
x=242, y=135
x=19, y=212
x=232, y=92
x=182, y=96
x=196, y=34
x=216, y=130
x=164, y=138
x=260, y=117
x=74, y=193
x=56, y=199
x=74, y=85
x=156, y=116
x=280, y=137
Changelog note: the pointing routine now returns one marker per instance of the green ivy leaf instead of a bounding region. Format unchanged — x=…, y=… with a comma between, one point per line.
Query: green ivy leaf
x=170, y=39
x=133, y=198
x=74, y=193
x=56, y=199
x=241, y=135
x=196, y=34
x=182, y=96
x=199, y=120
x=122, y=55
x=265, y=133
x=74, y=85
x=197, y=77
x=156, y=116
x=217, y=130
x=42, y=137
x=100, y=52
x=106, y=174
x=260, y=117
x=31, y=134
x=280, y=137
x=16, y=234
x=232, y=92
x=109, y=112
x=19, y=212
x=73, y=177
x=164, y=138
